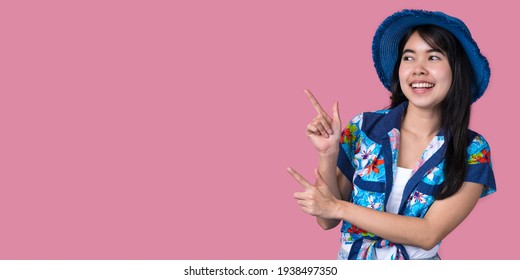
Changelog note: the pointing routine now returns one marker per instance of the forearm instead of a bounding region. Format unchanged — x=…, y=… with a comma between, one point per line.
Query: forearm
x=327, y=163
x=327, y=224
x=396, y=228
x=327, y=168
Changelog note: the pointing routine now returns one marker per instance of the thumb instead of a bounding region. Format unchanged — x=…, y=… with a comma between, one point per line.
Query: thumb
x=322, y=187
x=320, y=182
x=335, y=113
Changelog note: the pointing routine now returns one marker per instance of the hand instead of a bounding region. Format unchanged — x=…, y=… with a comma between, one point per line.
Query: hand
x=324, y=131
x=316, y=200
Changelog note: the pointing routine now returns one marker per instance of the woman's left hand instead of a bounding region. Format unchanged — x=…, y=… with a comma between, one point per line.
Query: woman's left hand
x=316, y=200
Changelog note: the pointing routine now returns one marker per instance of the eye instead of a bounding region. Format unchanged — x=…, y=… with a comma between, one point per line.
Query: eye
x=434, y=57
x=407, y=58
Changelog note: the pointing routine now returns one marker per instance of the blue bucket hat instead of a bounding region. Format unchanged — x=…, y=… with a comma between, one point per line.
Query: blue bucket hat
x=391, y=31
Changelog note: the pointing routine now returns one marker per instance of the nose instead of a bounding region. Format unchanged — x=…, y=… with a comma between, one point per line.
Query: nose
x=419, y=69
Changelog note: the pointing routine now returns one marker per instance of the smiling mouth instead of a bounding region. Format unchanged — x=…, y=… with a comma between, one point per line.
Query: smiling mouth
x=422, y=85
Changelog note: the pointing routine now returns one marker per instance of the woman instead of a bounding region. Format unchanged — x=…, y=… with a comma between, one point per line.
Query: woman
x=402, y=179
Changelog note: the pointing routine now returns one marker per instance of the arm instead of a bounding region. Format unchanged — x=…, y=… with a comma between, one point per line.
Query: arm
x=324, y=132
x=344, y=186
x=442, y=217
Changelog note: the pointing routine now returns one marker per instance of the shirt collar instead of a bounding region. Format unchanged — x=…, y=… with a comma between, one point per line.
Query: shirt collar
x=393, y=119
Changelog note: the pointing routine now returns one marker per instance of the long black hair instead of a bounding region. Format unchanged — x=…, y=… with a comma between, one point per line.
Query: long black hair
x=455, y=108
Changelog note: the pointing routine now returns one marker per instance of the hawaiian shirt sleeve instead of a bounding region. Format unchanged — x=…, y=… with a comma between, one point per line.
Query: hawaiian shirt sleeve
x=479, y=168
x=349, y=144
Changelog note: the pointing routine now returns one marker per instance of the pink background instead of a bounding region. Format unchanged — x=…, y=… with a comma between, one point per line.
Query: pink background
x=162, y=129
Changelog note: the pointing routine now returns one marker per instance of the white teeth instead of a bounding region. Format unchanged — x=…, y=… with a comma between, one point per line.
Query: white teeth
x=422, y=85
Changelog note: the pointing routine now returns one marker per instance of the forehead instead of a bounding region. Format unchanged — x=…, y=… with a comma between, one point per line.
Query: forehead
x=417, y=43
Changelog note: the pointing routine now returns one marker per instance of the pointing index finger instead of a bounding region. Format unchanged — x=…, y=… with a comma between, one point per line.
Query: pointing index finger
x=299, y=178
x=315, y=103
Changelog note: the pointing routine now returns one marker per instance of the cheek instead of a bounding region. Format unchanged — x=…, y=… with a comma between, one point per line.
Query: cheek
x=446, y=76
x=403, y=74
x=450, y=77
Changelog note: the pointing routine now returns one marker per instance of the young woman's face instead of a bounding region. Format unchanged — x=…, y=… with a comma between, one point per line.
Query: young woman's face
x=424, y=74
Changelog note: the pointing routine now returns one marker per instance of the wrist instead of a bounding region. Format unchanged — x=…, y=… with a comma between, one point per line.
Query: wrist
x=337, y=213
x=340, y=209
x=331, y=153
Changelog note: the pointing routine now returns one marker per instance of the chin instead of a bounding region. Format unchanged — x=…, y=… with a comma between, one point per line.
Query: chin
x=424, y=105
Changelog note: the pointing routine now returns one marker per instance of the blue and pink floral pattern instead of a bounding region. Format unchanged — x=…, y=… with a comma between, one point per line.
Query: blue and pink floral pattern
x=363, y=161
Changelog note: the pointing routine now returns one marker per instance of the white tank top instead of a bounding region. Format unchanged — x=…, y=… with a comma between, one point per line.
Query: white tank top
x=394, y=201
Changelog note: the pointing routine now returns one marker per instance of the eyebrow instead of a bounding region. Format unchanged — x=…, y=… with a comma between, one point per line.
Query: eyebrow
x=428, y=51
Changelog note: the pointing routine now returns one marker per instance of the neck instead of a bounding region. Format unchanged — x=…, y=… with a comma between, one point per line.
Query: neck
x=421, y=122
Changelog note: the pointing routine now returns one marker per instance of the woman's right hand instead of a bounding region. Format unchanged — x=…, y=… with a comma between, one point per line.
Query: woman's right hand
x=324, y=131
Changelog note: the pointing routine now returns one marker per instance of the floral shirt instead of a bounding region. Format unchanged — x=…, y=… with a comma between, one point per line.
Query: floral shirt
x=368, y=158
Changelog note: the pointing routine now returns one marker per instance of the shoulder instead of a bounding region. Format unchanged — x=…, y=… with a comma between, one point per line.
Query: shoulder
x=367, y=122
x=479, y=167
x=350, y=133
x=478, y=149
x=367, y=118
x=476, y=141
